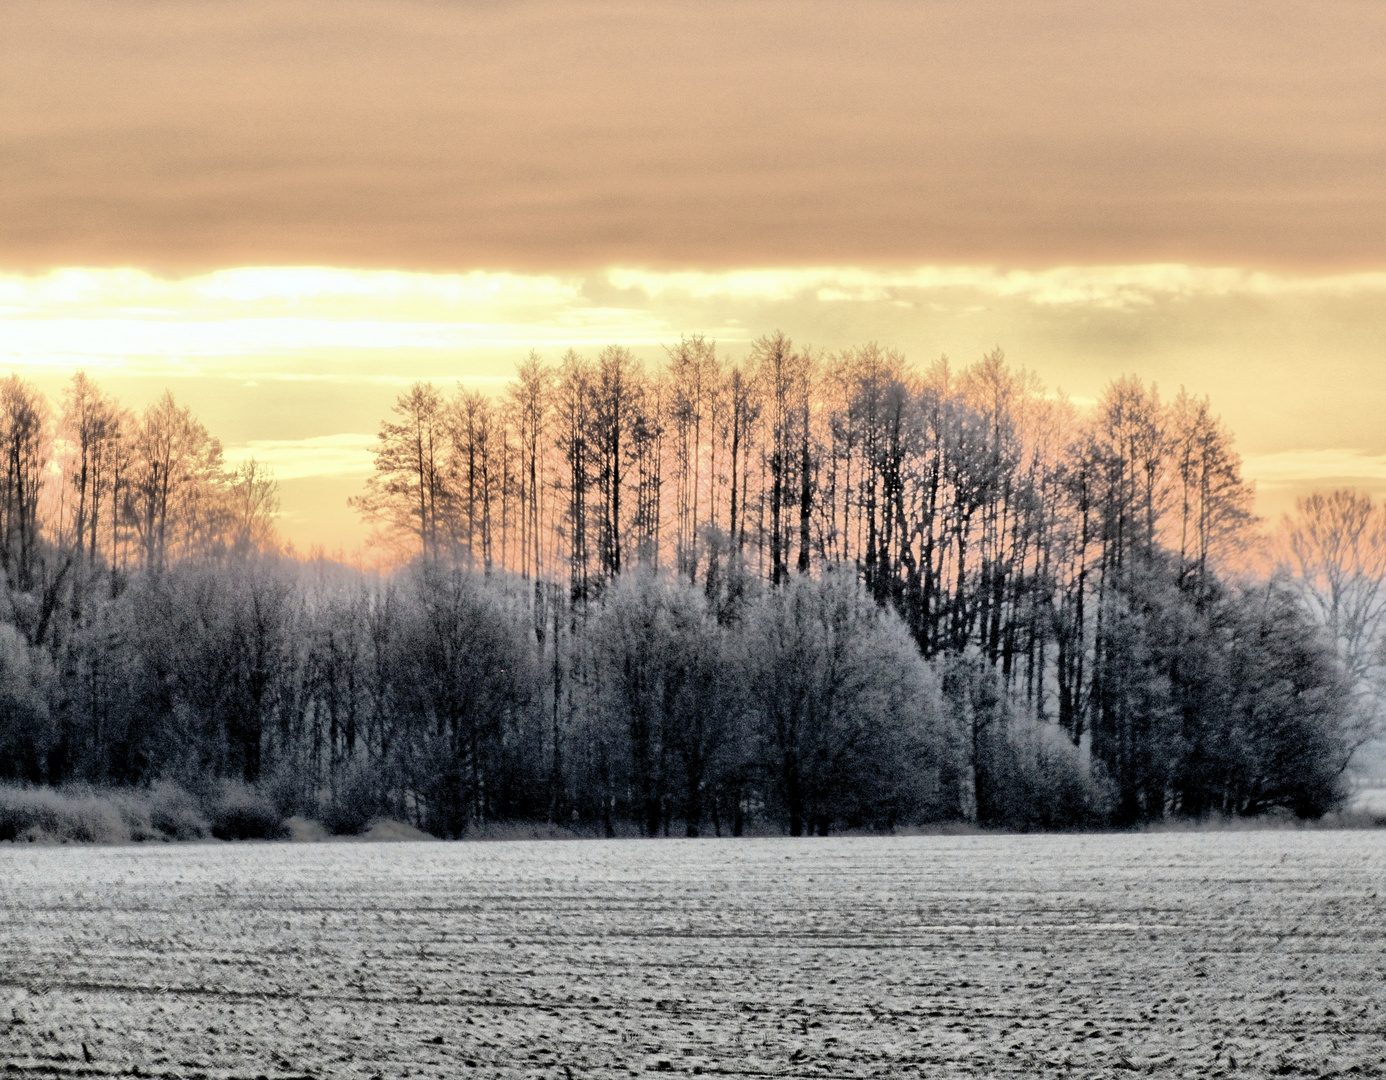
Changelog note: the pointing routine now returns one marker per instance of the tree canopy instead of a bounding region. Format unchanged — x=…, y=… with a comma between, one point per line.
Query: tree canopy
x=800, y=591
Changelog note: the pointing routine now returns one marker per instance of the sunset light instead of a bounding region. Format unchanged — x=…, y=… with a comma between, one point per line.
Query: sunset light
x=591, y=538
x=353, y=339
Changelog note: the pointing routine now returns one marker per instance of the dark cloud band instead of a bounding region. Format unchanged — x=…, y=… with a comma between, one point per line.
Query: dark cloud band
x=556, y=135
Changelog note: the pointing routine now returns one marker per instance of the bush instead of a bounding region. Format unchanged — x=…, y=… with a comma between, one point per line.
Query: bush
x=1027, y=774
x=354, y=805
x=133, y=808
x=290, y=789
x=175, y=813
x=42, y=814
x=1048, y=785
x=239, y=812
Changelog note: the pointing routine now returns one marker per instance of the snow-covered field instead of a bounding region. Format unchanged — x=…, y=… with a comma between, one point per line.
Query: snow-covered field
x=1192, y=954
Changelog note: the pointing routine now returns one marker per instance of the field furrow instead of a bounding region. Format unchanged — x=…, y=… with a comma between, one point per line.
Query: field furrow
x=1257, y=953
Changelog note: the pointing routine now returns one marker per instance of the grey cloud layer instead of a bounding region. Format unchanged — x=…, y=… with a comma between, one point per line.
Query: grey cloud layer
x=551, y=135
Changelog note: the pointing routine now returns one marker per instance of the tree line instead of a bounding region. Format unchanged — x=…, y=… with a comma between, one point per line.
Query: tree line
x=800, y=591
x=1070, y=556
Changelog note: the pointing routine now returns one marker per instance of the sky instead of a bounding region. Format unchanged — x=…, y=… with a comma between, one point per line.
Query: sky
x=285, y=212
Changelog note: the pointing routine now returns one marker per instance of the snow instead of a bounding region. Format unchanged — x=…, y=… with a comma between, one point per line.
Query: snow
x=1174, y=953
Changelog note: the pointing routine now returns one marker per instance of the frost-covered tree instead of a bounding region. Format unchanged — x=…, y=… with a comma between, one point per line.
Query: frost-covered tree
x=846, y=710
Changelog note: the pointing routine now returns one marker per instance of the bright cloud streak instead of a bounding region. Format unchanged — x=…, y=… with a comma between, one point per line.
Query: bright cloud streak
x=341, y=293
x=128, y=319
x=1299, y=467
x=291, y=286
x=314, y=283
x=287, y=363
x=69, y=340
x=346, y=454
x=121, y=319
x=1099, y=286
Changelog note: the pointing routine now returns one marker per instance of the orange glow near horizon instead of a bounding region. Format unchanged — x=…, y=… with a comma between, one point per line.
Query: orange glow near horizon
x=296, y=366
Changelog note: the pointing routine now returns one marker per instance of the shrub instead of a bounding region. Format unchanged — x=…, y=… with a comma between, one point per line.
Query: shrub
x=291, y=790
x=44, y=814
x=354, y=805
x=175, y=813
x=1027, y=774
x=133, y=808
x=239, y=812
x=846, y=711
x=1048, y=785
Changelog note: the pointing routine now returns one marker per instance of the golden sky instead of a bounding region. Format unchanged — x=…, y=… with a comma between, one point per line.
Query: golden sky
x=1193, y=192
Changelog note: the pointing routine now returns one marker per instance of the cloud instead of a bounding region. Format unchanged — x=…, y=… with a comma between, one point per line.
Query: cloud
x=314, y=284
x=1110, y=287
x=277, y=323
x=242, y=321
x=317, y=288
x=346, y=454
x=1316, y=467
x=584, y=133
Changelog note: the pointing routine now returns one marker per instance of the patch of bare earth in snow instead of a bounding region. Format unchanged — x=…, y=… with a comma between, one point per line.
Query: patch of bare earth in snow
x=1180, y=954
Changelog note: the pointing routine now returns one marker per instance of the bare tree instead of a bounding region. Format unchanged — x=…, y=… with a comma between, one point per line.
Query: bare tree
x=475, y=433
x=252, y=498
x=531, y=397
x=692, y=374
x=91, y=423
x=616, y=407
x=784, y=375
x=409, y=491
x=1335, y=549
x=574, y=407
x=1214, y=505
x=173, y=500
x=24, y=442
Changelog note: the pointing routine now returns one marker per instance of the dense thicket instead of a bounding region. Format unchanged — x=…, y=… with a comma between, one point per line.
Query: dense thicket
x=803, y=592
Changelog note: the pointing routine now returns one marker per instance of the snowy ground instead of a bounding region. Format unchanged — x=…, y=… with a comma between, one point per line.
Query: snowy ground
x=1177, y=954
